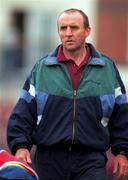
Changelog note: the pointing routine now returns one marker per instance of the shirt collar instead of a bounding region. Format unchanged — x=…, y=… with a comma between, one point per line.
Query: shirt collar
x=60, y=55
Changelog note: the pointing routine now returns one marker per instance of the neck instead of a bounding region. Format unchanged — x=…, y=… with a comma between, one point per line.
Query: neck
x=77, y=56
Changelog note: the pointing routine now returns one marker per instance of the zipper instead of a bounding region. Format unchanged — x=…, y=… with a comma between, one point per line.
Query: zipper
x=74, y=119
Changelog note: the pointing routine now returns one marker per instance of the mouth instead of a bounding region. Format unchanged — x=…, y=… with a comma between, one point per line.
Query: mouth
x=69, y=42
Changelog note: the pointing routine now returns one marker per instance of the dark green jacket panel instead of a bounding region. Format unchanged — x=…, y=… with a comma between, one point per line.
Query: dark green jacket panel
x=98, y=79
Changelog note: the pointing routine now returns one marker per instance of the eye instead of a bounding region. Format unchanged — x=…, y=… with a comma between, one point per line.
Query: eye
x=74, y=27
x=63, y=27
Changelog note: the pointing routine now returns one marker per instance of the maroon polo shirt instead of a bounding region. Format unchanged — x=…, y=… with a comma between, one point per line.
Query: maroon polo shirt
x=74, y=70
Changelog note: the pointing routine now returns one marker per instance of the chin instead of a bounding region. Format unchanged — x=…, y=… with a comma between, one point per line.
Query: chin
x=70, y=48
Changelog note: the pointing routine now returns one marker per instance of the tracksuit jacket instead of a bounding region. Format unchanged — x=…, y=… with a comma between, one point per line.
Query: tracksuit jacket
x=49, y=111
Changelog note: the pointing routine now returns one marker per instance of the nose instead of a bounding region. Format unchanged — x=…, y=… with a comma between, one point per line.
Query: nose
x=68, y=31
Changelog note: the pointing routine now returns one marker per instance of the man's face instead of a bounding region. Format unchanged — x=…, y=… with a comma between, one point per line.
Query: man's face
x=72, y=31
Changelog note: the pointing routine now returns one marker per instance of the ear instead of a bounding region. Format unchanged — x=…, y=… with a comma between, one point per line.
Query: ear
x=87, y=31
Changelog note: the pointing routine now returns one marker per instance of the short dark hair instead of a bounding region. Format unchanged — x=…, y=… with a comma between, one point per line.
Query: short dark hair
x=85, y=17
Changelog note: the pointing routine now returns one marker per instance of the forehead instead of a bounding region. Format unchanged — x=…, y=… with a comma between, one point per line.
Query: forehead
x=70, y=18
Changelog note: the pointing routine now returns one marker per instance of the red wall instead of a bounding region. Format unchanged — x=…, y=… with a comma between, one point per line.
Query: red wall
x=112, y=29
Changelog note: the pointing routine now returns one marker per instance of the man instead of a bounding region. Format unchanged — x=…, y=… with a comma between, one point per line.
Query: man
x=72, y=107
x=13, y=168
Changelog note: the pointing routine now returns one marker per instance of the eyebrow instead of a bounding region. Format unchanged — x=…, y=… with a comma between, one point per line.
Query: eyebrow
x=73, y=25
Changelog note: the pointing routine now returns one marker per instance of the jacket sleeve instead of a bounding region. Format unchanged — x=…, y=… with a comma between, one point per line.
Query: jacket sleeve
x=23, y=118
x=118, y=123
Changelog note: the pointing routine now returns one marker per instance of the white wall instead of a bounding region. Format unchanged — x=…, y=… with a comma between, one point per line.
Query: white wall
x=51, y=6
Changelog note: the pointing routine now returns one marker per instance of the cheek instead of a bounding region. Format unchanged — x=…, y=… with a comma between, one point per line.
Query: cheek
x=80, y=37
x=61, y=35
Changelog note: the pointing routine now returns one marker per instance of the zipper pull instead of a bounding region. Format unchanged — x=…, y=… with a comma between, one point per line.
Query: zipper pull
x=74, y=92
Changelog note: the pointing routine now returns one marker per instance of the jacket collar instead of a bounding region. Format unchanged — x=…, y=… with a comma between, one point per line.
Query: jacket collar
x=51, y=59
x=96, y=58
x=95, y=61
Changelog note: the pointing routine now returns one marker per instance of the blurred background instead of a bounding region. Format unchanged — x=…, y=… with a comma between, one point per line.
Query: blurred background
x=28, y=31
